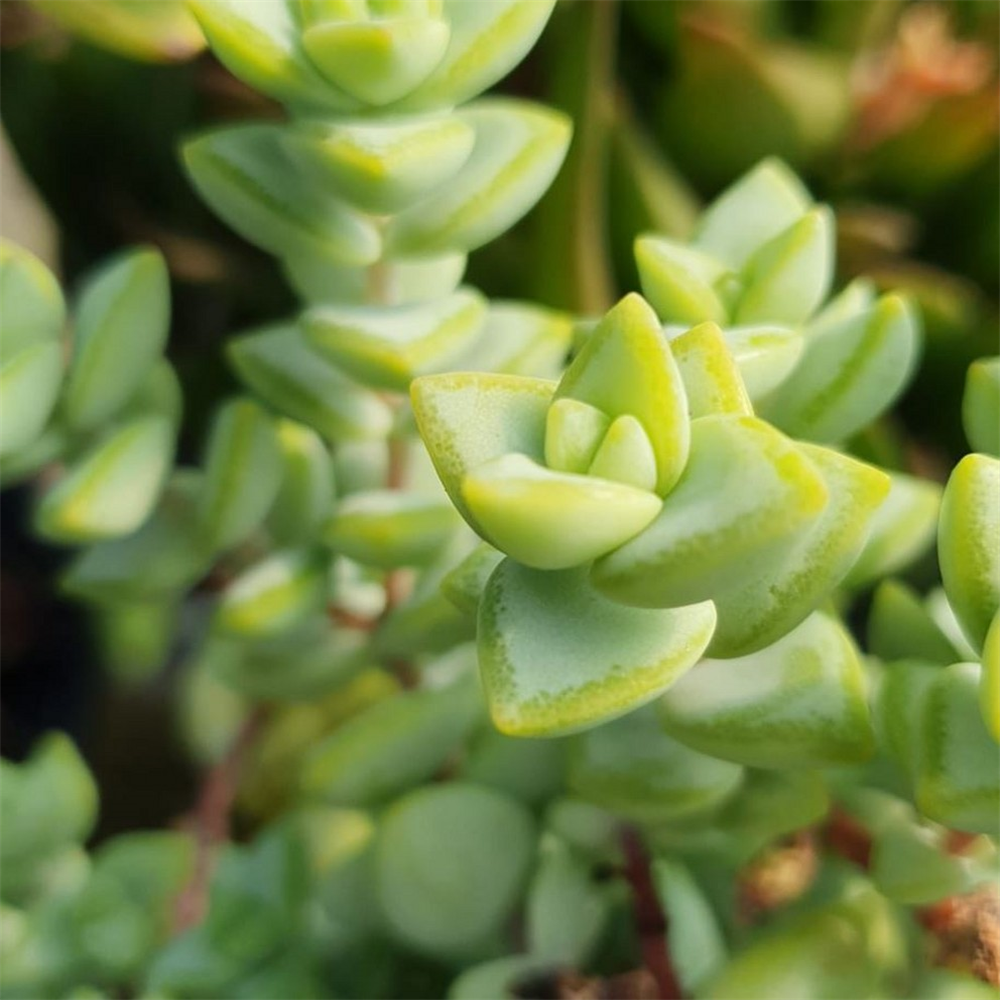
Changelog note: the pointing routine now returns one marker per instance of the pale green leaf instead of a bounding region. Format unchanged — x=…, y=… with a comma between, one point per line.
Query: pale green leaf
x=29, y=387
x=555, y=656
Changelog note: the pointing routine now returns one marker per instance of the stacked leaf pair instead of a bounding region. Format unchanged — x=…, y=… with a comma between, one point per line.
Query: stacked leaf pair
x=103, y=403
x=647, y=514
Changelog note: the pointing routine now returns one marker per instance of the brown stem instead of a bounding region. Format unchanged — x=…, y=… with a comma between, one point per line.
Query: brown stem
x=212, y=820
x=650, y=920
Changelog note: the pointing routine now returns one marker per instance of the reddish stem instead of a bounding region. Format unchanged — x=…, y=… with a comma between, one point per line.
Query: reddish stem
x=650, y=920
x=212, y=820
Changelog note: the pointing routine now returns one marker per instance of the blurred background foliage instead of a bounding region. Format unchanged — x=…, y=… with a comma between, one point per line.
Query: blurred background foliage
x=889, y=110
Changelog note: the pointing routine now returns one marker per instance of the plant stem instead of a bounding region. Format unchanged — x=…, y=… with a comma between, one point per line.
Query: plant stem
x=650, y=920
x=212, y=819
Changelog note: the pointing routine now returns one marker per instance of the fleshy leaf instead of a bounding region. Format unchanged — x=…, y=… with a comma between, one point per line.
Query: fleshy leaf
x=634, y=769
x=958, y=779
x=488, y=38
x=981, y=406
x=989, y=685
x=899, y=710
x=275, y=594
x=307, y=484
x=387, y=166
x=765, y=355
x=745, y=497
x=162, y=558
x=254, y=182
x=450, y=910
x=467, y=419
x=679, y=282
x=756, y=208
x=969, y=544
x=555, y=656
x=900, y=627
x=902, y=529
x=259, y=43
x=798, y=703
x=533, y=771
x=389, y=528
x=712, y=380
x=464, y=585
x=573, y=433
x=281, y=365
x=387, y=347
x=625, y=455
x=112, y=489
x=553, y=520
x=378, y=61
x=788, y=277
x=566, y=909
x=31, y=305
x=521, y=339
x=626, y=368
x=849, y=374
x=122, y=319
x=519, y=147
x=242, y=473
x=773, y=600
x=29, y=387
x=391, y=746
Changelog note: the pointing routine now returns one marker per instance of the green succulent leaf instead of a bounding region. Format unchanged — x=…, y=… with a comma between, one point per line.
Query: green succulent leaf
x=758, y=207
x=122, y=320
x=306, y=495
x=468, y=419
x=32, y=309
x=772, y=600
x=712, y=380
x=911, y=864
x=249, y=176
x=634, y=769
x=380, y=61
x=899, y=710
x=282, y=365
x=969, y=544
x=518, y=149
x=900, y=627
x=989, y=685
x=260, y=43
x=981, y=406
x=161, y=559
x=573, y=433
x=958, y=778
x=521, y=339
x=902, y=529
x=801, y=702
x=242, y=473
x=391, y=746
x=387, y=347
x=790, y=275
x=698, y=947
x=111, y=490
x=387, y=166
x=626, y=368
x=553, y=520
x=453, y=909
x=464, y=585
x=389, y=528
x=29, y=388
x=766, y=355
x=47, y=803
x=745, y=497
x=680, y=282
x=488, y=38
x=274, y=594
x=566, y=910
x=850, y=372
x=555, y=656
x=531, y=770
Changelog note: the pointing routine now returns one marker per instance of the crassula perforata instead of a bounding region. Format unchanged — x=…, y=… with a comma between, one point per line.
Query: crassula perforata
x=509, y=632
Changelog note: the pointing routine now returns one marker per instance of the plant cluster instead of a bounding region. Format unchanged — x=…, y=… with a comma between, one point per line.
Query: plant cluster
x=511, y=624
